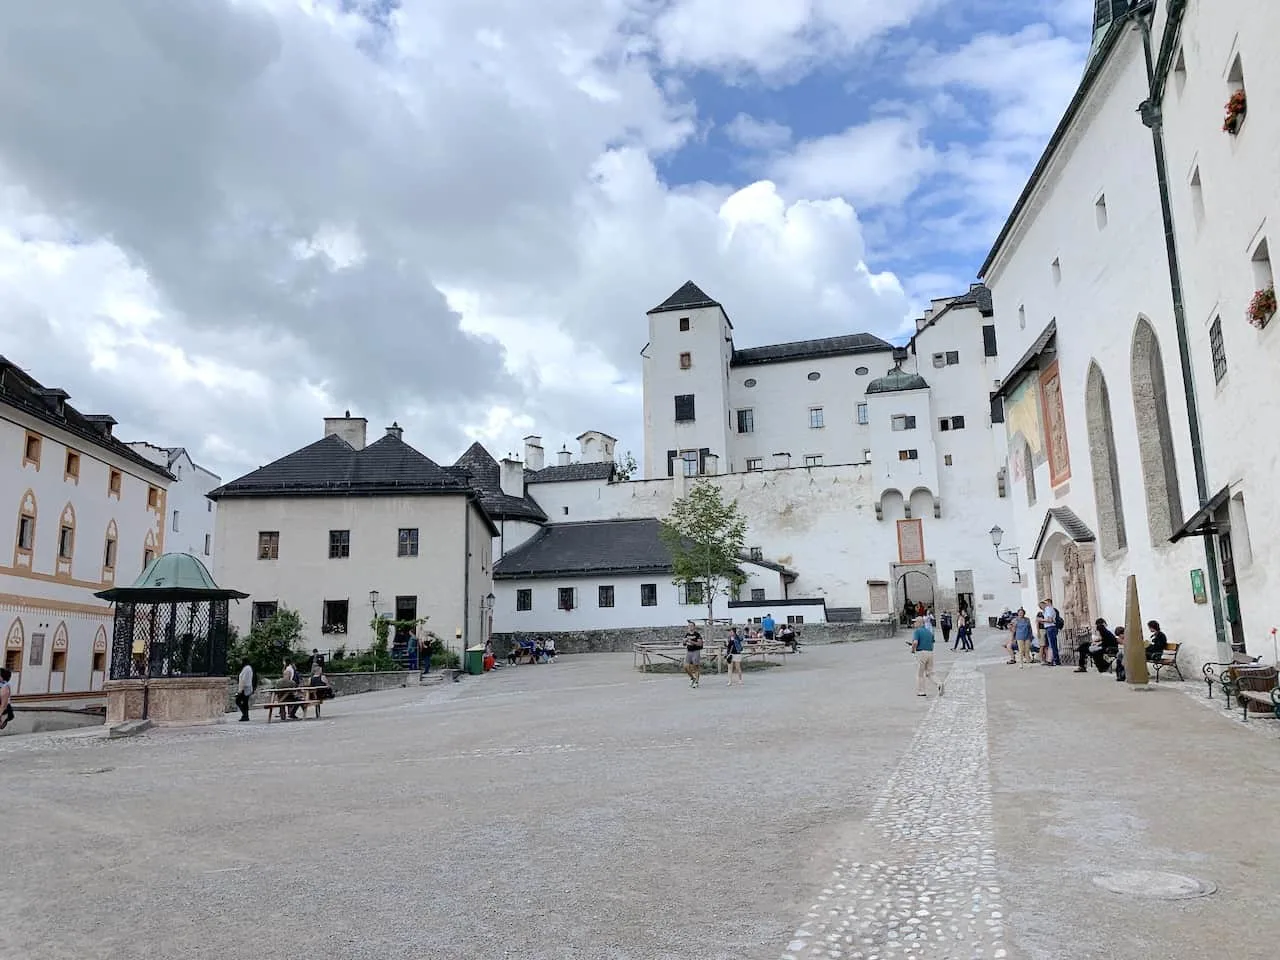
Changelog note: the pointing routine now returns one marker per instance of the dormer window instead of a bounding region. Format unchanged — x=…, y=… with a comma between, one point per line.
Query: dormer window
x=72, y=466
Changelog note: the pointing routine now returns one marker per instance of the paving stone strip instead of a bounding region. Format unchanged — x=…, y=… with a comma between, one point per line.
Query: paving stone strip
x=930, y=889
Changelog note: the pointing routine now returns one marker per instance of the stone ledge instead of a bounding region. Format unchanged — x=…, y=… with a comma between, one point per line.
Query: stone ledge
x=621, y=640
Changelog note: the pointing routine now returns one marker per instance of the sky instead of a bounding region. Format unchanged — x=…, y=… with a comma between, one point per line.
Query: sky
x=221, y=222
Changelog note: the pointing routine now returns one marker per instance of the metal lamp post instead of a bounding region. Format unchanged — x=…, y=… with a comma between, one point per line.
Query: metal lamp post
x=1008, y=556
x=486, y=605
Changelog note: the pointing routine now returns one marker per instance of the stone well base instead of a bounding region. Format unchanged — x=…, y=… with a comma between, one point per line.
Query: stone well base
x=179, y=700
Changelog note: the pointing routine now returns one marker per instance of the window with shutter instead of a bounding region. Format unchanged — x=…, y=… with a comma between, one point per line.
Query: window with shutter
x=684, y=408
x=989, y=340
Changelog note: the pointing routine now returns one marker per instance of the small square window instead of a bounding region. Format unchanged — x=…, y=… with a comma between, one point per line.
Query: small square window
x=684, y=324
x=813, y=460
x=686, y=361
x=946, y=460
x=862, y=414
x=265, y=610
x=339, y=544
x=31, y=450
x=944, y=424
x=524, y=600
x=795, y=620
x=908, y=455
x=903, y=422
x=690, y=461
x=269, y=545
x=757, y=594
x=566, y=510
x=407, y=542
x=1218, y=349
x=115, y=479
x=746, y=421
x=565, y=598
x=939, y=359
x=691, y=593
x=605, y=596
x=648, y=594
x=756, y=553
x=866, y=455
x=953, y=357
x=754, y=464
x=685, y=408
x=73, y=465
x=334, y=615
x=957, y=423
x=153, y=498
x=815, y=418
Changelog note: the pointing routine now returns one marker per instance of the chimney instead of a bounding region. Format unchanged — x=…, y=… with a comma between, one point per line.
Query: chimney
x=395, y=430
x=512, y=477
x=781, y=461
x=349, y=428
x=102, y=422
x=534, y=455
x=565, y=457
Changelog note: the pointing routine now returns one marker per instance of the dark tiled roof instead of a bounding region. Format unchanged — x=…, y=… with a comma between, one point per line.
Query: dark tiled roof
x=486, y=477
x=1076, y=528
x=333, y=467
x=574, y=471
x=596, y=548
x=770, y=565
x=1044, y=341
x=897, y=379
x=811, y=349
x=688, y=297
x=21, y=391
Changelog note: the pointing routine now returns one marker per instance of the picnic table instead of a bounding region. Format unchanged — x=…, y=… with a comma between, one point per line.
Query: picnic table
x=293, y=698
x=647, y=653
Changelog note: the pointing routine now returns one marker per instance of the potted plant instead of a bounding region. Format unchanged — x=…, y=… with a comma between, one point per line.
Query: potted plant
x=1262, y=307
x=1237, y=106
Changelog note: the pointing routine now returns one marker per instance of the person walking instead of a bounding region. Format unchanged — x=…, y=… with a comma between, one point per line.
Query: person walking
x=922, y=646
x=733, y=655
x=693, y=655
x=966, y=631
x=1052, y=624
x=945, y=623
x=1021, y=629
x=6, y=697
x=767, y=625
x=244, y=689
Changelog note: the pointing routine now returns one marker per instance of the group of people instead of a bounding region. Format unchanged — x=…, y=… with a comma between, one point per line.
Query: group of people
x=289, y=682
x=1031, y=639
x=538, y=650
x=962, y=624
x=734, y=647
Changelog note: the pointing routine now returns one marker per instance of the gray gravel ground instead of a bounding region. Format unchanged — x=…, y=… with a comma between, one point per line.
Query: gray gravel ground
x=583, y=810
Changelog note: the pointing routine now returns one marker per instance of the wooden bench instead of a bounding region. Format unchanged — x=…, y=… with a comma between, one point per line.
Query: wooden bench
x=1168, y=661
x=1270, y=699
x=1215, y=674
x=1251, y=684
x=292, y=698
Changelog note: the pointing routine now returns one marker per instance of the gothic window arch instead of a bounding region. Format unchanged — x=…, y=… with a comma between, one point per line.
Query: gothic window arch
x=1106, y=467
x=148, y=549
x=1155, y=434
x=110, y=553
x=24, y=536
x=66, y=541
x=1029, y=469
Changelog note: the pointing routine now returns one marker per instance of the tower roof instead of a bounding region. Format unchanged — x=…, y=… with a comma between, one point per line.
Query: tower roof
x=896, y=380
x=688, y=297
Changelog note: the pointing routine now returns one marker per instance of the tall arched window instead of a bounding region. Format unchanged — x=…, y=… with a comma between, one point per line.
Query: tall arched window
x=66, y=541
x=109, y=553
x=24, y=540
x=1106, y=469
x=1155, y=435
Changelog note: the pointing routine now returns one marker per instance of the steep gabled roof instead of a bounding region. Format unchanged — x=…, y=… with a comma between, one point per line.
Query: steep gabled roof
x=688, y=297
x=333, y=467
x=811, y=349
x=573, y=471
x=594, y=548
x=486, y=478
x=23, y=392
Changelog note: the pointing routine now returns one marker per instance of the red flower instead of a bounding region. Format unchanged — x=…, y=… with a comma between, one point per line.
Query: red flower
x=1236, y=108
x=1262, y=307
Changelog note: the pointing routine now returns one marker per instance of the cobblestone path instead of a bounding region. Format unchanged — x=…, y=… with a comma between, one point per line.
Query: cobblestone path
x=929, y=888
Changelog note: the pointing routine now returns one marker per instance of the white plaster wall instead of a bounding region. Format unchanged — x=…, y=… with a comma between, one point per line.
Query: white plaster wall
x=888, y=472
x=708, y=341
x=304, y=577
x=195, y=518
x=511, y=534
x=780, y=403
x=1110, y=276
x=37, y=594
x=1241, y=206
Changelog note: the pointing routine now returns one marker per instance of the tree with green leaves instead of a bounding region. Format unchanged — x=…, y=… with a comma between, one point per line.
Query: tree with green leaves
x=625, y=468
x=705, y=536
x=270, y=643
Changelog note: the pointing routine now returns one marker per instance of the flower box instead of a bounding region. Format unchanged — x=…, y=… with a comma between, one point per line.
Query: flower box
x=1236, y=108
x=1262, y=307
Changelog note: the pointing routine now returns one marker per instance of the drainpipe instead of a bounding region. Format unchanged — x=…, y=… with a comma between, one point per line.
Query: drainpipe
x=466, y=579
x=1151, y=117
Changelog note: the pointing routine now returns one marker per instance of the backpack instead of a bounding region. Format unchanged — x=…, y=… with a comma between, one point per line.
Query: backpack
x=1058, y=622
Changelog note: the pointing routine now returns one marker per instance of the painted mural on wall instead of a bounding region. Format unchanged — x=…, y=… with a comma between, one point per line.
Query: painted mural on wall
x=1024, y=427
x=1055, y=426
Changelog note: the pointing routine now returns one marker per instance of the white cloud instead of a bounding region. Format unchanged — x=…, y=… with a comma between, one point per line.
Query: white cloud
x=746, y=131
x=874, y=164
x=246, y=214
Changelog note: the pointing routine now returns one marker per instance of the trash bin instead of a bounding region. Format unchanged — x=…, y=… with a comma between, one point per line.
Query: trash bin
x=474, y=664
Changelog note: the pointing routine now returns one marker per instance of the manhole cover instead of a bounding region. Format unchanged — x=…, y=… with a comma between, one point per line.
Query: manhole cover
x=1156, y=885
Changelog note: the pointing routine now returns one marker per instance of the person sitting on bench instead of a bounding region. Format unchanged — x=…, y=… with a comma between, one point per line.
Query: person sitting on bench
x=1155, y=649
x=787, y=635
x=1106, y=645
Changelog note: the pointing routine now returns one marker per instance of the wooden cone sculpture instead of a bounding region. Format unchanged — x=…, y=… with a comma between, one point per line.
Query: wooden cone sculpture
x=1135, y=649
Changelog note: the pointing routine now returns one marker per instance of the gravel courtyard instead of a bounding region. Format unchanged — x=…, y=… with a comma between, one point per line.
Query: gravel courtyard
x=585, y=810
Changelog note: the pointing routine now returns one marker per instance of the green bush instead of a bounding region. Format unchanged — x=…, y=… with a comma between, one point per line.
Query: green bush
x=269, y=644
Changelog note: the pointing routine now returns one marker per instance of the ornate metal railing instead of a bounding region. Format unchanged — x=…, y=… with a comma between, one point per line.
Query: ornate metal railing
x=185, y=639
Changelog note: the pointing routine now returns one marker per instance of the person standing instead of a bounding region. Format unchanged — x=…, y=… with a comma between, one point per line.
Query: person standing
x=424, y=654
x=966, y=631
x=945, y=623
x=1021, y=629
x=922, y=646
x=1052, y=624
x=733, y=655
x=693, y=655
x=244, y=689
x=6, y=697
x=767, y=626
